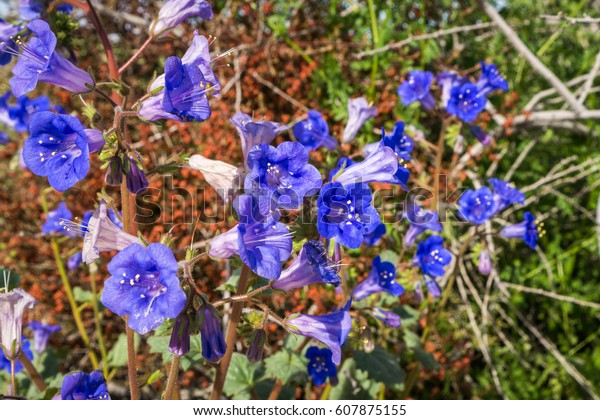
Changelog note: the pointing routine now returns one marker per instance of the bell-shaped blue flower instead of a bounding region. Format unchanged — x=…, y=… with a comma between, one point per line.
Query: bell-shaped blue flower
x=5, y=362
x=345, y=213
x=505, y=193
x=41, y=334
x=530, y=230
x=331, y=329
x=372, y=239
x=342, y=164
x=185, y=91
x=174, y=12
x=481, y=135
x=24, y=108
x=477, y=206
x=388, y=317
x=57, y=220
x=253, y=133
x=447, y=81
x=311, y=266
x=382, y=278
x=13, y=305
x=320, y=365
x=39, y=62
x=83, y=386
x=7, y=43
x=313, y=132
x=144, y=285
x=420, y=221
x=359, y=112
x=432, y=257
x=211, y=334
x=284, y=172
x=491, y=79
x=416, y=88
x=466, y=102
x=135, y=178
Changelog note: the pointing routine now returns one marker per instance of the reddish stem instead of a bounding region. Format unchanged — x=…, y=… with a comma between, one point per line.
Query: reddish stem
x=136, y=55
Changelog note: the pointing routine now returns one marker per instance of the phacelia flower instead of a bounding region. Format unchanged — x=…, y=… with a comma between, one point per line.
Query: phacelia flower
x=372, y=239
x=345, y=213
x=25, y=107
x=432, y=257
x=416, y=88
x=75, y=261
x=223, y=177
x=136, y=178
x=398, y=141
x=320, y=365
x=12, y=308
x=253, y=133
x=284, y=172
x=7, y=43
x=58, y=149
x=5, y=362
x=331, y=329
x=56, y=220
x=39, y=62
x=313, y=132
x=144, y=285
x=83, y=386
x=420, y=221
x=491, y=79
x=447, y=81
x=256, y=345
x=342, y=164
x=174, y=12
x=390, y=318
x=359, y=112
x=505, y=194
x=477, y=206
x=311, y=266
x=466, y=102
x=41, y=334
x=433, y=287
x=33, y=9
x=530, y=230
x=485, y=262
x=180, y=337
x=211, y=334
x=481, y=135
x=382, y=278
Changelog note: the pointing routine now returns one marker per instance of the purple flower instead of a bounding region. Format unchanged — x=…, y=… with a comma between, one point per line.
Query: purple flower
x=12, y=308
x=529, y=230
x=311, y=266
x=211, y=334
x=345, y=213
x=433, y=287
x=432, y=257
x=253, y=133
x=144, y=285
x=25, y=107
x=485, y=262
x=320, y=365
x=371, y=239
x=57, y=148
x=313, y=132
x=390, y=318
x=33, y=9
x=41, y=334
x=447, y=81
x=8, y=47
x=56, y=220
x=491, y=79
x=180, y=337
x=481, y=135
x=420, y=221
x=380, y=279
x=466, y=102
x=342, y=164
x=75, y=260
x=331, y=329
x=416, y=88
x=477, y=206
x=5, y=362
x=83, y=386
x=284, y=172
x=39, y=62
x=359, y=112
x=136, y=178
x=398, y=141
x=257, y=341
x=174, y=12
x=505, y=193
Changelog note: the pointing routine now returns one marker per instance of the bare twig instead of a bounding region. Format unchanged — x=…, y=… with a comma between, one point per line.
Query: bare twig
x=520, y=159
x=279, y=92
x=587, y=86
x=552, y=295
x=572, y=20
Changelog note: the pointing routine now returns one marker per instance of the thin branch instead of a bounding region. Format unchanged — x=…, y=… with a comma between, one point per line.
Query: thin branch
x=572, y=20
x=520, y=159
x=587, y=86
x=279, y=91
x=552, y=295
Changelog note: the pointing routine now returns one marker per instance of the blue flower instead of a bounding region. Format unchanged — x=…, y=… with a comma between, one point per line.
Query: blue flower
x=398, y=141
x=313, y=132
x=75, y=260
x=447, y=81
x=8, y=47
x=5, y=362
x=371, y=239
x=491, y=79
x=174, y=12
x=359, y=112
x=144, y=285
x=256, y=345
x=416, y=88
x=211, y=334
x=185, y=91
x=346, y=213
x=382, y=278
x=477, y=206
x=420, y=221
x=331, y=329
x=253, y=133
x=466, y=102
x=342, y=164
x=311, y=266
x=480, y=134
x=56, y=220
x=57, y=148
x=530, y=230
x=39, y=62
x=25, y=107
x=390, y=318
x=41, y=334
x=284, y=172
x=136, y=178
x=12, y=308
x=83, y=386
x=33, y=9
x=505, y=193
x=485, y=262
x=432, y=257
x=180, y=337
x=320, y=366
x=433, y=287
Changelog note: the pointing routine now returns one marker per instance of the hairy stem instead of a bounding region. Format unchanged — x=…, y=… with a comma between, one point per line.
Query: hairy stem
x=172, y=380
x=34, y=375
x=136, y=55
x=131, y=362
x=113, y=70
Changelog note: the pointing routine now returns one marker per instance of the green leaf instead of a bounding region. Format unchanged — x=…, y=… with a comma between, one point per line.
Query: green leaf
x=241, y=377
x=117, y=356
x=156, y=376
x=426, y=359
x=12, y=277
x=232, y=281
x=82, y=296
x=380, y=366
x=287, y=366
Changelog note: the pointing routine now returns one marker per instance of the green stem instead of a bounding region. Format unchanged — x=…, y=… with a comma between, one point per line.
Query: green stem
x=97, y=320
x=375, y=35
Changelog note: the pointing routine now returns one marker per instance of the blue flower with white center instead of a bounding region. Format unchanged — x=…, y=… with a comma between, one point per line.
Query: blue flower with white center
x=41, y=334
x=174, y=12
x=185, y=91
x=388, y=317
x=25, y=107
x=342, y=164
x=477, y=206
x=466, y=102
x=253, y=133
x=311, y=266
x=313, y=132
x=481, y=135
x=211, y=334
x=416, y=88
x=5, y=362
x=530, y=230
x=432, y=257
x=320, y=366
x=39, y=62
x=491, y=79
x=345, y=213
x=144, y=285
x=505, y=193
x=284, y=172
x=56, y=220
x=331, y=329
x=58, y=149
x=83, y=386
x=398, y=141
x=359, y=112
x=372, y=239
x=447, y=81
x=420, y=221
x=382, y=278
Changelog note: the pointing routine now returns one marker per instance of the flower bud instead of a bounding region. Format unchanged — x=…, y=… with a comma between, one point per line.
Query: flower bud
x=485, y=262
x=257, y=345
x=180, y=337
